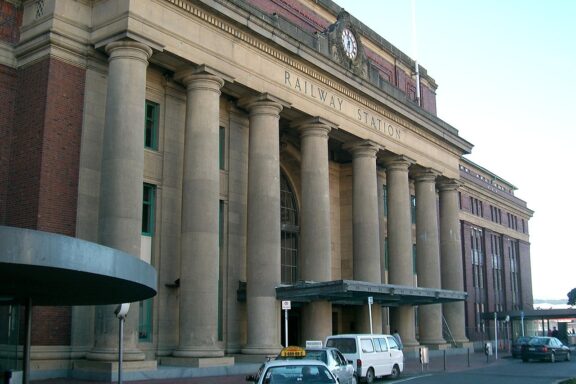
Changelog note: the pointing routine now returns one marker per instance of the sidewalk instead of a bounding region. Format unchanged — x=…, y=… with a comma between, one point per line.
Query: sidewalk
x=439, y=361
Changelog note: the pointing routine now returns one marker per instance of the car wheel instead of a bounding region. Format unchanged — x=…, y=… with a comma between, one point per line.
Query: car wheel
x=553, y=357
x=568, y=356
x=395, y=372
x=369, y=379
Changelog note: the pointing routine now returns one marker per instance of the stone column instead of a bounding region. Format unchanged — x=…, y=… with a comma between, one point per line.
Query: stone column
x=366, y=225
x=121, y=185
x=200, y=253
x=428, y=255
x=315, y=240
x=452, y=269
x=401, y=268
x=263, y=241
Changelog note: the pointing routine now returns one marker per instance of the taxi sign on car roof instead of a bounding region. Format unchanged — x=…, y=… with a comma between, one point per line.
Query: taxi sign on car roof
x=293, y=351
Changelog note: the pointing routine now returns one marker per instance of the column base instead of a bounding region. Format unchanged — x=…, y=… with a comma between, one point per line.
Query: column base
x=197, y=362
x=198, y=352
x=111, y=354
x=262, y=350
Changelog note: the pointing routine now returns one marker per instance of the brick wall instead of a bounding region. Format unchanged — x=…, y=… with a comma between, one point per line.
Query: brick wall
x=44, y=166
x=7, y=101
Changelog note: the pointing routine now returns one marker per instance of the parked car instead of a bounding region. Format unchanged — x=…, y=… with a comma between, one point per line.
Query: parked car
x=335, y=361
x=517, y=345
x=372, y=355
x=545, y=348
x=293, y=371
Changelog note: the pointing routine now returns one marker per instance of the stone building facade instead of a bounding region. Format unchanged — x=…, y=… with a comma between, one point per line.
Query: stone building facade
x=239, y=147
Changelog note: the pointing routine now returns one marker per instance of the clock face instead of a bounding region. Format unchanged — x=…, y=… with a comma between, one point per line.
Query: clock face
x=349, y=43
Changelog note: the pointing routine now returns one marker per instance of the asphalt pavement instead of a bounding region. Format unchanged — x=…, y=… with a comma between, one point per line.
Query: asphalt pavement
x=439, y=361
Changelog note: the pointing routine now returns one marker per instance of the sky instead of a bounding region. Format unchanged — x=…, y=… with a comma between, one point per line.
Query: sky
x=506, y=75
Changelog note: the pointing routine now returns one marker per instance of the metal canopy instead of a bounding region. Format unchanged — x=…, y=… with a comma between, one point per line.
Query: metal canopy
x=352, y=292
x=51, y=269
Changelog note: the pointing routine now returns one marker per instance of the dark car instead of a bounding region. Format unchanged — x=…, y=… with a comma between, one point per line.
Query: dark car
x=545, y=348
x=517, y=345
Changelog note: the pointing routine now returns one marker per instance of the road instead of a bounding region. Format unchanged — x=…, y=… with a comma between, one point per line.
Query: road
x=513, y=372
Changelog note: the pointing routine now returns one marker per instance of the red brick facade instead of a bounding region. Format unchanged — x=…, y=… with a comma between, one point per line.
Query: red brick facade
x=42, y=170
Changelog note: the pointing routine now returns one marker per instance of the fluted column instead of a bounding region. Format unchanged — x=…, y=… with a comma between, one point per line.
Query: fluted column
x=199, y=260
x=401, y=268
x=452, y=270
x=366, y=225
x=122, y=177
x=428, y=255
x=315, y=239
x=263, y=248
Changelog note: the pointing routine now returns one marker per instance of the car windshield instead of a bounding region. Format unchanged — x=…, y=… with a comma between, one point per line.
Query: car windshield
x=288, y=374
x=316, y=354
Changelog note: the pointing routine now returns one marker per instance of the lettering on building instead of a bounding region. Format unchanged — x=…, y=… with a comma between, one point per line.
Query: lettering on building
x=368, y=118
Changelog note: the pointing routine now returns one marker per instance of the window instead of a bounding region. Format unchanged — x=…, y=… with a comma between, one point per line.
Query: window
x=385, y=201
x=478, y=274
x=145, y=321
x=514, y=274
x=151, y=125
x=148, y=202
x=496, y=214
x=476, y=207
x=497, y=271
x=413, y=208
x=290, y=233
x=222, y=148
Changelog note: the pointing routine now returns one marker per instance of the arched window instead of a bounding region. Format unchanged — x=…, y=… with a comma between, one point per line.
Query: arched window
x=290, y=233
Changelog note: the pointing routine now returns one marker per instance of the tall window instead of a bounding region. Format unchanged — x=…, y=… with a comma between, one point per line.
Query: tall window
x=413, y=208
x=514, y=274
x=496, y=214
x=290, y=233
x=497, y=271
x=148, y=201
x=222, y=148
x=151, y=125
x=478, y=279
x=145, y=307
x=476, y=207
x=385, y=200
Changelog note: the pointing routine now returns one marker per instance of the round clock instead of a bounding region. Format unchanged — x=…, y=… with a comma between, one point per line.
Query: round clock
x=349, y=43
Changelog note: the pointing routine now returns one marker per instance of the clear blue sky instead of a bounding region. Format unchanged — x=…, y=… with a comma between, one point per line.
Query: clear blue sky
x=506, y=75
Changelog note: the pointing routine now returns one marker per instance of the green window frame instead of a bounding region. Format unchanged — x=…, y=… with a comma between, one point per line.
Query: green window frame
x=148, y=208
x=385, y=200
x=145, y=320
x=221, y=229
x=151, y=125
x=413, y=208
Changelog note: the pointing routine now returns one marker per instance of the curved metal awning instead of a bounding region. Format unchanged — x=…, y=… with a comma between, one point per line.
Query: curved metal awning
x=52, y=269
x=353, y=292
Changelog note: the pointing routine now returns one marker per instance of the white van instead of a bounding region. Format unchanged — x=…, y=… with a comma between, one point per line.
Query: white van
x=372, y=355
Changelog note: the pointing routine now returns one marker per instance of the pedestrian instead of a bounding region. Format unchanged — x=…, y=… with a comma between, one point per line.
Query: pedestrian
x=398, y=339
x=555, y=332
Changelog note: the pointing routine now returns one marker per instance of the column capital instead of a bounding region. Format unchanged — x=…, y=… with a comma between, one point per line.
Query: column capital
x=314, y=126
x=426, y=175
x=128, y=49
x=398, y=163
x=362, y=148
x=263, y=103
x=449, y=185
x=187, y=76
